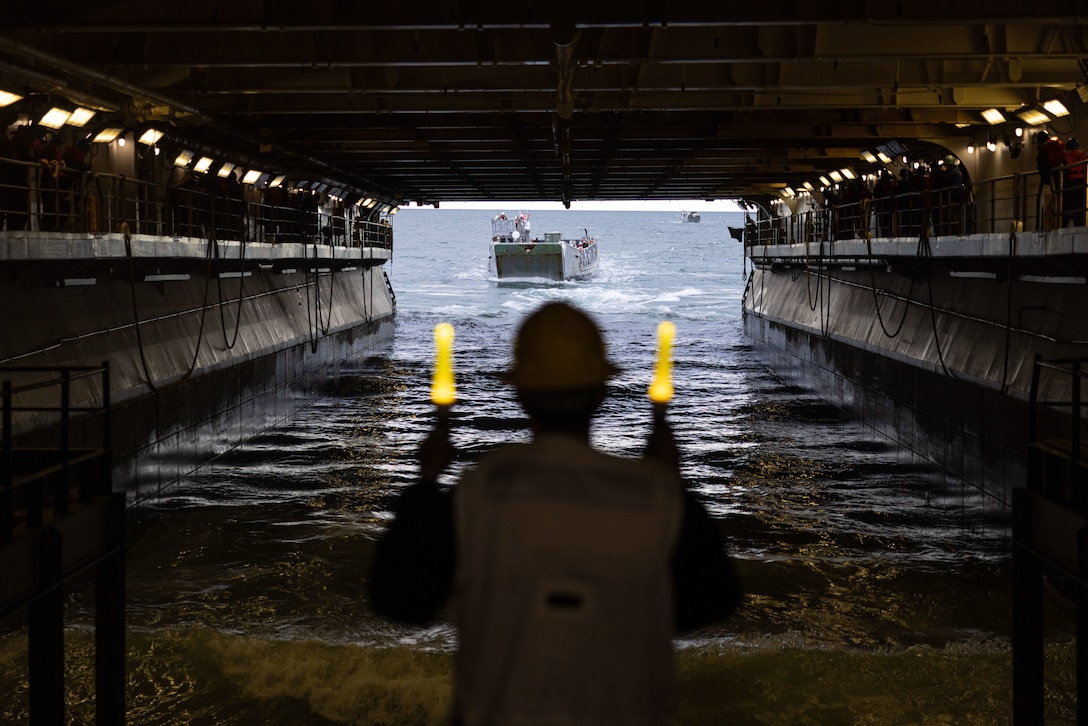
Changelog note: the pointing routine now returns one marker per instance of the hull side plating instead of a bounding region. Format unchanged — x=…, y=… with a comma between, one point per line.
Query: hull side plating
x=204, y=351
x=936, y=350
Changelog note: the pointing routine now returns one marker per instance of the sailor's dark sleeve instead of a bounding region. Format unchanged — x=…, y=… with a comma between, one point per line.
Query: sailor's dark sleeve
x=705, y=582
x=413, y=565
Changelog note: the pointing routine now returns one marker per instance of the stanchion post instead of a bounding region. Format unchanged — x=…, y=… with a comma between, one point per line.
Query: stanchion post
x=1027, y=617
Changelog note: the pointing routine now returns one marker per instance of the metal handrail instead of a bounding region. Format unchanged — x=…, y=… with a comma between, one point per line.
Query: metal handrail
x=1076, y=370
x=26, y=490
x=1003, y=204
x=65, y=199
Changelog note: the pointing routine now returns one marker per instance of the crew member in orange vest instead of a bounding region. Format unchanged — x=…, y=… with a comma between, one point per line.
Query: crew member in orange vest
x=1075, y=161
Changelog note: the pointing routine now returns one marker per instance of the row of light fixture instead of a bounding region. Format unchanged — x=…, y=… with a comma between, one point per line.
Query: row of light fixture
x=833, y=177
x=1030, y=115
x=253, y=176
x=203, y=165
x=57, y=117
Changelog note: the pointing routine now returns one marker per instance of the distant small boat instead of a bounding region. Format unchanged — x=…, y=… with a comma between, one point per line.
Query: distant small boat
x=514, y=253
x=689, y=217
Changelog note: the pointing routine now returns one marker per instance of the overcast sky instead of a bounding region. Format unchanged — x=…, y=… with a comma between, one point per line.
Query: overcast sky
x=648, y=205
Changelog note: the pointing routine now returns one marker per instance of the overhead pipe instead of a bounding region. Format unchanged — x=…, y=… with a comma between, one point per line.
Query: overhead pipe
x=564, y=36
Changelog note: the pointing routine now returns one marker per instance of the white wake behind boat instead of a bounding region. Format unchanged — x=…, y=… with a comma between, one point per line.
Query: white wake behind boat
x=515, y=254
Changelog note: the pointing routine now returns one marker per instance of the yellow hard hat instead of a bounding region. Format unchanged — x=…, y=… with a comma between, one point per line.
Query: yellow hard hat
x=558, y=347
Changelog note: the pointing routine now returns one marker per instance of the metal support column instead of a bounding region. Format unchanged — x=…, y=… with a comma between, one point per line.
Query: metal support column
x=1027, y=618
x=1082, y=626
x=7, y=476
x=109, y=623
x=45, y=636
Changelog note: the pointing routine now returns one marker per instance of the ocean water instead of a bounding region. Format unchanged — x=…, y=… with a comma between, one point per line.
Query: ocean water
x=875, y=592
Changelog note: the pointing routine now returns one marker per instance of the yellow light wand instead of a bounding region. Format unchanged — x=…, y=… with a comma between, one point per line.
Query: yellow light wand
x=443, y=390
x=661, y=387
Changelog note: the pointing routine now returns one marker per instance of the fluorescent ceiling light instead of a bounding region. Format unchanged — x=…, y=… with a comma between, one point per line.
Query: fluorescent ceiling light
x=183, y=158
x=203, y=164
x=226, y=169
x=150, y=137
x=993, y=116
x=1056, y=108
x=54, y=118
x=251, y=176
x=868, y=156
x=825, y=181
x=849, y=173
x=107, y=135
x=80, y=117
x=884, y=158
x=278, y=180
x=835, y=176
x=7, y=98
x=1032, y=116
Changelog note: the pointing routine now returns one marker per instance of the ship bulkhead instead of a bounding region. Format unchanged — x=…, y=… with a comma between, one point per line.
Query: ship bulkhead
x=925, y=315
x=219, y=307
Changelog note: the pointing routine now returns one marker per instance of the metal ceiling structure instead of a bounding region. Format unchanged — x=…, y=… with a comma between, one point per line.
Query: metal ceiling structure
x=486, y=100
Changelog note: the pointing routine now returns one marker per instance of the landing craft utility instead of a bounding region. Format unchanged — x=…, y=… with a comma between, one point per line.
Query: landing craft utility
x=515, y=254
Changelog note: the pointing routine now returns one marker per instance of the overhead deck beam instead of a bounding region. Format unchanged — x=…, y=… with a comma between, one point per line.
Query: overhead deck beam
x=431, y=102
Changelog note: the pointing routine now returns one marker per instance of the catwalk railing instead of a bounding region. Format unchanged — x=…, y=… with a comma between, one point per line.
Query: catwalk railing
x=1050, y=535
x=59, y=518
x=1013, y=203
x=52, y=198
x=65, y=464
x=1059, y=425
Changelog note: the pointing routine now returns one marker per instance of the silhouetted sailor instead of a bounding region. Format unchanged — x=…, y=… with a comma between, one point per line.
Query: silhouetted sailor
x=570, y=569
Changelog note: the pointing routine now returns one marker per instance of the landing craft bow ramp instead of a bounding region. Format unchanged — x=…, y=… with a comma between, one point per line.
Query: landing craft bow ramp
x=432, y=102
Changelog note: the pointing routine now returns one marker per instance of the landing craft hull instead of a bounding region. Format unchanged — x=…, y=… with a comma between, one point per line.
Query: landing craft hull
x=557, y=261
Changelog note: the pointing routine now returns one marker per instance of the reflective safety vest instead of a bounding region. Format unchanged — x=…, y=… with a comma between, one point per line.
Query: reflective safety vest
x=1073, y=159
x=563, y=589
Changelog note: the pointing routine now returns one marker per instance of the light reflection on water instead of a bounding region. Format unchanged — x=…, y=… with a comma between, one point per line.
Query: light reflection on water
x=875, y=592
